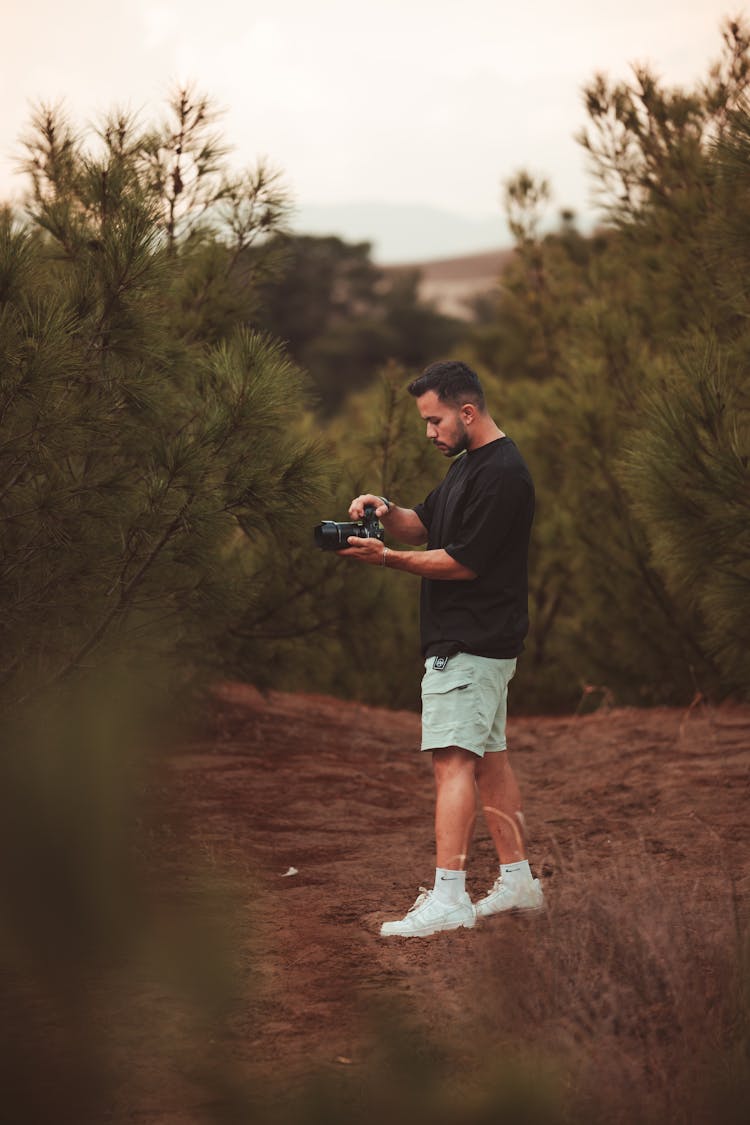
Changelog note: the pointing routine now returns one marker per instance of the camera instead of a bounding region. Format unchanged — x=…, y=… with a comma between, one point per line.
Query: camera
x=332, y=536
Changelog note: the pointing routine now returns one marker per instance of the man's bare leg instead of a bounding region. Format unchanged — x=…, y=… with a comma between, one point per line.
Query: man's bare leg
x=515, y=888
x=455, y=805
x=447, y=906
x=501, y=804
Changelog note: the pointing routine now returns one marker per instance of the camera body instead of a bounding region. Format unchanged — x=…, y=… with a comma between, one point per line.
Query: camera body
x=332, y=536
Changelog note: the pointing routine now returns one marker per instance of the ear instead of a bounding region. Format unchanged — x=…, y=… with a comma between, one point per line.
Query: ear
x=468, y=413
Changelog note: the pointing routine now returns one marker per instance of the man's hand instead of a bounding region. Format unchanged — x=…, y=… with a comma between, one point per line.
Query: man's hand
x=364, y=550
x=402, y=524
x=357, y=507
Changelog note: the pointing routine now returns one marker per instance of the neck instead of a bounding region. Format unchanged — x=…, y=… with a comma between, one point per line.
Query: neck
x=483, y=433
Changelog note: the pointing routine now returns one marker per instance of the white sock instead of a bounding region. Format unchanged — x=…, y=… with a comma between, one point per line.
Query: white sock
x=518, y=872
x=449, y=885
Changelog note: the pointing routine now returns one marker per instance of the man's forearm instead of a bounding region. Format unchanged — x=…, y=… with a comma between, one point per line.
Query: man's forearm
x=429, y=564
x=404, y=525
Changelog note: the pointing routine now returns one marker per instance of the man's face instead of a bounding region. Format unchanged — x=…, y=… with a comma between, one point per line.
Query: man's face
x=445, y=427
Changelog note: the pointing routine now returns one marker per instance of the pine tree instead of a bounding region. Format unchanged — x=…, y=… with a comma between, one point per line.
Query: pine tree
x=606, y=319
x=145, y=430
x=327, y=624
x=689, y=465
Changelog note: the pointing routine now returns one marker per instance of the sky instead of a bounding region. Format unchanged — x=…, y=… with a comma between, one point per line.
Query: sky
x=427, y=103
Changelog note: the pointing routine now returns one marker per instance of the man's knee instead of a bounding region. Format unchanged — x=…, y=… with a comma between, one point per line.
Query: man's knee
x=452, y=761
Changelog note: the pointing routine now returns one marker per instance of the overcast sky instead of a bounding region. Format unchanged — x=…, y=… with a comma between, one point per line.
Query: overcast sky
x=428, y=102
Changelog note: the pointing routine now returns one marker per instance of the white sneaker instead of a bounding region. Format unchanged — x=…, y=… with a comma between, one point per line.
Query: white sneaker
x=428, y=915
x=527, y=895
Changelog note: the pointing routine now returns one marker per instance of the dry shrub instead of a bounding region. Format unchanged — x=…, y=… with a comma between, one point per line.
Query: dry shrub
x=637, y=990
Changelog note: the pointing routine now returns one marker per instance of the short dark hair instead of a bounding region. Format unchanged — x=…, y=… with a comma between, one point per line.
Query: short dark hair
x=452, y=381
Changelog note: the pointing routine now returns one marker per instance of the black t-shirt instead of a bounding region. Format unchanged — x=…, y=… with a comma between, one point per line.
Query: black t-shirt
x=481, y=514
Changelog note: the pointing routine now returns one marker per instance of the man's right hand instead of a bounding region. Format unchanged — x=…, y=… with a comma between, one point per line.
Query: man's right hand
x=402, y=524
x=357, y=506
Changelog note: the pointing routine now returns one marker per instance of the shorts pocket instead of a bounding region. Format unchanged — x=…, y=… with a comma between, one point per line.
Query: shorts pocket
x=452, y=679
x=448, y=698
x=439, y=683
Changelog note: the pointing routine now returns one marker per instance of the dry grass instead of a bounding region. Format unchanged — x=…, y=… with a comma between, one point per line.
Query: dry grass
x=637, y=993
x=624, y=1003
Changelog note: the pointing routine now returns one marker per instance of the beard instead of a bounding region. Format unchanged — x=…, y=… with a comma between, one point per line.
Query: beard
x=458, y=443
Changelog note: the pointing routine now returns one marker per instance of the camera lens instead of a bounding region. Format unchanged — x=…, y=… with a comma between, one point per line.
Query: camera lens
x=327, y=535
x=332, y=536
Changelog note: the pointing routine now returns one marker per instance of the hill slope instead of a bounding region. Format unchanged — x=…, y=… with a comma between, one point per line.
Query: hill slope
x=451, y=283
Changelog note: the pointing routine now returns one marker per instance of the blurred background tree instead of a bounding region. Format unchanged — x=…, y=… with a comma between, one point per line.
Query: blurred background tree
x=342, y=318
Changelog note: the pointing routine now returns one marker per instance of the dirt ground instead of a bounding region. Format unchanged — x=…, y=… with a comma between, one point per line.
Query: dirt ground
x=323, y=812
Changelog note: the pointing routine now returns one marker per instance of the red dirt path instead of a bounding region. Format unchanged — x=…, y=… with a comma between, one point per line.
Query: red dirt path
x=340, y=793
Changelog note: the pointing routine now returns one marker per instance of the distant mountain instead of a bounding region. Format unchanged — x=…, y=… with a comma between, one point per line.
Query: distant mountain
x=407, y=233
x=450, y=284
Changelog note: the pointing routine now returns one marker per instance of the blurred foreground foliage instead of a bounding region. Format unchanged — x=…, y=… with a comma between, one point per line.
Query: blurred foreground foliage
x=115, y=964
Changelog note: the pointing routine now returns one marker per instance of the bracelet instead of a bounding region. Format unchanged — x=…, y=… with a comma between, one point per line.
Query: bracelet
x=383, y=556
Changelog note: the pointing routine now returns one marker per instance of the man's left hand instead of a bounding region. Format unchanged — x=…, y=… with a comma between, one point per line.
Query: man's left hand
x=364, y=550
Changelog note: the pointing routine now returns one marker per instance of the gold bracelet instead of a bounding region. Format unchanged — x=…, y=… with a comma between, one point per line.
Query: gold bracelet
x=383, y=556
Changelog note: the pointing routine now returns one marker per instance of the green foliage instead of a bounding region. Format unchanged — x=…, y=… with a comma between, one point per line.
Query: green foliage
x=162, y=467
x=520, y=331
x=689, y=478
x=146, y=432
x=650, y=146
x=637, y=441
x=328, y=624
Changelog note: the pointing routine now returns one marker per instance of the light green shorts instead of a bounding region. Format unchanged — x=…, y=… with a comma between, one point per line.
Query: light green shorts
x=465, y=703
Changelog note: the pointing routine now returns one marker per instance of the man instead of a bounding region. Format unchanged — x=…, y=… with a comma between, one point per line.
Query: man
x=474, y=617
